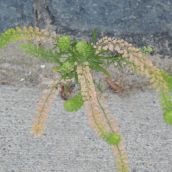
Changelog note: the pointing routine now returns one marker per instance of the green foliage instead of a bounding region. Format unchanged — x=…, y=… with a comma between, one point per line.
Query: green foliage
x=67, y=69
x=112, y=138
x=74, y=104
x=68, y=52
x=99, y=68
x=166, y=95
x=94, y=36
x=167, y=79
x=147, y=50
x=168, y=117
x=166, y=101
x=26, y=33
x=8, y=36
x=166, y=98
x=64, y=43
x=85, y=51
x=41, y=52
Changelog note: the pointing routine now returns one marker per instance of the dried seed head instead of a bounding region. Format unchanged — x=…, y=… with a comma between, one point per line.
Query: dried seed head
x=30, y=29
x=135, y=56
x=38, y=129
x=36, y=29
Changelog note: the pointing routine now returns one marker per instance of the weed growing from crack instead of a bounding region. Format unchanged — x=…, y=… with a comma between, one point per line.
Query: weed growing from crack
x=74, y=61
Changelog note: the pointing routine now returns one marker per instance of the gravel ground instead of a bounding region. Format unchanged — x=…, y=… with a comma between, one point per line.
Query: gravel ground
x=69, y=145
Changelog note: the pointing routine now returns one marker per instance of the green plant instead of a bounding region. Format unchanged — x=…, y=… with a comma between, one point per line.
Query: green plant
x=75, y=60
x=147, y=49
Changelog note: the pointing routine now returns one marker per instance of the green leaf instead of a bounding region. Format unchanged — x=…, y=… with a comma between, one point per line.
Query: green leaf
x=94, y=35
x=67, y=67
x=84, y=50
x=73, y=104
x=112, y=138
x=99, y=68
x=64, y=43
x=165, y=95
x=41, y=52
x=96, y=60
x=168, y=79
x=165, y=99
x=147, y=50
x=10, y=35
x=168, y=117
x=67, y=70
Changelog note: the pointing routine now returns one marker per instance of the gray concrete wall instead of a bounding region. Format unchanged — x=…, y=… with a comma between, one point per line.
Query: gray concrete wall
x=139, y=21
x=15, y=12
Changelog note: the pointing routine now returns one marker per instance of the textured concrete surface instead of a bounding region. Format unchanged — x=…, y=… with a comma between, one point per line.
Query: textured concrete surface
x=19, y=69
x=15, y=12
x=69, y=145
x=118, y=16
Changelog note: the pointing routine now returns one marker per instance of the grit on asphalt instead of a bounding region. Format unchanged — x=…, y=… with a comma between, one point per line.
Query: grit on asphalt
x=69, y=144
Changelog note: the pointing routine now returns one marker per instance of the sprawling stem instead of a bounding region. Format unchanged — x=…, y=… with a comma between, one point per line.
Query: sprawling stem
x=99, y=117
x=43, y=108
